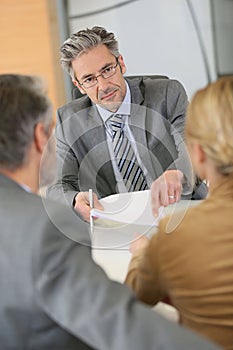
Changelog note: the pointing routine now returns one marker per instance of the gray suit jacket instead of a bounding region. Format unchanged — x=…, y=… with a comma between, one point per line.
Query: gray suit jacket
x=53, y=296
x=157, y=123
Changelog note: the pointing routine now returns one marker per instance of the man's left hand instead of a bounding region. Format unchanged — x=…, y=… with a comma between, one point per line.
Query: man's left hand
x=166, y=189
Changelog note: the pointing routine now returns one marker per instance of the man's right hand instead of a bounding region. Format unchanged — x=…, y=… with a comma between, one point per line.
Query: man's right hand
x=82, y=204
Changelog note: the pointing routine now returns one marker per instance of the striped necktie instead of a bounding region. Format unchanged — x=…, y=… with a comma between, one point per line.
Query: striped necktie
x=131, y=172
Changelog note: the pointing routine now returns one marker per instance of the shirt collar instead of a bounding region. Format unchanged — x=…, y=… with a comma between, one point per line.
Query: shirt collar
x=123, y=109
x=25, y=187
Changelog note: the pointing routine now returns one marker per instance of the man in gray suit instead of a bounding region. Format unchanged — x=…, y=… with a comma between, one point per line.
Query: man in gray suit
x=152, y=113
x=53, y=296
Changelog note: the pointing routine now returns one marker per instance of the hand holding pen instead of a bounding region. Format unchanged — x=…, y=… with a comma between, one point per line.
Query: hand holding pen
x=83, y=206
x=90, y=195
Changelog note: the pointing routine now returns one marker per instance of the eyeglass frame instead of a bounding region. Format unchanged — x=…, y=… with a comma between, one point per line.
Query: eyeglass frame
x=99, y=75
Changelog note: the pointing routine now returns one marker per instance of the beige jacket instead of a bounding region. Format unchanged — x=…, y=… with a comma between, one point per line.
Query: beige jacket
x=193, y=266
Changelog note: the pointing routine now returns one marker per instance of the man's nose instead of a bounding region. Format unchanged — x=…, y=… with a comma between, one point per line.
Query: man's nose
x=102, y=82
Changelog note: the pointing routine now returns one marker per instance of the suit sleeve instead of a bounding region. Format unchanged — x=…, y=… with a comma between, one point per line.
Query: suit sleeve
x=176, y=102
x=143, y=273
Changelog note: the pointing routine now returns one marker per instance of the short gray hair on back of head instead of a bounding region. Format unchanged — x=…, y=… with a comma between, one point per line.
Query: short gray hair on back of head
x=83, y=41
x=23, y=104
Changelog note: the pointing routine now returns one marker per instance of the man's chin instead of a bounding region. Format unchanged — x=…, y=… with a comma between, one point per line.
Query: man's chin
x=111, y=106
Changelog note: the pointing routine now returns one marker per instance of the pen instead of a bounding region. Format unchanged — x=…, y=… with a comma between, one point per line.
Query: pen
x=91, y=206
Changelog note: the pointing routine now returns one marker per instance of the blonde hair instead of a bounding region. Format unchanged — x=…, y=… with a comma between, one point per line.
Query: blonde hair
x=210, y=122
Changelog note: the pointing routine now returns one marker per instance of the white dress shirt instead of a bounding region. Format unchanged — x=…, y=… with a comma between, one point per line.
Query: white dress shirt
x=123, y=110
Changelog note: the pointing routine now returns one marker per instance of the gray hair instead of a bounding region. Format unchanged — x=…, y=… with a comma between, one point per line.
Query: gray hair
x=23, y=104
x=83, y=41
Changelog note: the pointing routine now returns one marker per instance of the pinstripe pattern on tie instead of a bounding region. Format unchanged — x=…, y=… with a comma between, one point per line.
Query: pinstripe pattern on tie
x=132, y=174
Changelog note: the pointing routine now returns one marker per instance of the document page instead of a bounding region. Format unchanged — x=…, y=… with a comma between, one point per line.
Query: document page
x=130, y=208
x=124, y=215
x=128, y=214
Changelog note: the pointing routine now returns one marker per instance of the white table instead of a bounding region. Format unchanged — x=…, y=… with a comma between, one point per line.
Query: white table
x=115, y=263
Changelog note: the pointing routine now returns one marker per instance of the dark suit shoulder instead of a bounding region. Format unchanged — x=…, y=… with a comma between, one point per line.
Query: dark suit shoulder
x=161, y=85
x=65, y=220
x=165, y=96
x=154, y=91
x=74, y=106
x=147, y=81
x=50, y=216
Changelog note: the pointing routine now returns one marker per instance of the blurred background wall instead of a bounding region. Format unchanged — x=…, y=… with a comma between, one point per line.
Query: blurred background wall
x=188, y=40
x=29, y=43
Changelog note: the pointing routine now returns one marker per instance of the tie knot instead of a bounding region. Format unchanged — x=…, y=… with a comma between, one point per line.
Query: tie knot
x=116, y=123
x=116, y=120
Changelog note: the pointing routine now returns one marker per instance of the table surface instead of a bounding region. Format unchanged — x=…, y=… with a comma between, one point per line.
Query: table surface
x=115, y=263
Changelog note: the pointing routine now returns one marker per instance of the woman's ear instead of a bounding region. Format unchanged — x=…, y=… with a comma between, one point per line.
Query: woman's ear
x=200, y=153
x=199, y=159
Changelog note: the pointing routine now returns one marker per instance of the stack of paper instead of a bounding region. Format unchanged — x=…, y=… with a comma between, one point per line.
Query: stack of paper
x=129, y=208
x=128, y=214
x=124, y=216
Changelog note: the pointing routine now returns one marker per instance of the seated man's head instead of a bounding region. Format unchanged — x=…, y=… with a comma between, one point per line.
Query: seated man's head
x=92, y=59
x=26, y=124
x=209, y=129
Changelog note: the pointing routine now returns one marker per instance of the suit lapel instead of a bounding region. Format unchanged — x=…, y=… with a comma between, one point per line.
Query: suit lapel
x=98, y=142
x=138, y=124
x=137, y=120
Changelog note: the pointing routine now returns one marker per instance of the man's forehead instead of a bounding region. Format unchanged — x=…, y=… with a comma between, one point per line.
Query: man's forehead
x=92, y=61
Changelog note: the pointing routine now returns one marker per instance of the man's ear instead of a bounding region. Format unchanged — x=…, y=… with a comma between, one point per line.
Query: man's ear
x=79, y=87
x=40, y=137
x=122, y=64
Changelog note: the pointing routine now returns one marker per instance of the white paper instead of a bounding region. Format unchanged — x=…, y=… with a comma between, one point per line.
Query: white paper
x=130, y=208
x=127, y=214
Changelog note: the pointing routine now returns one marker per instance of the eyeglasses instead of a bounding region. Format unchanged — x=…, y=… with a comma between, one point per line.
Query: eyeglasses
x=93, y=80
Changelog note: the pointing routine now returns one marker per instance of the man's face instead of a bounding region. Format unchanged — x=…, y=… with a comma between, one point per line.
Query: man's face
x=108, y=93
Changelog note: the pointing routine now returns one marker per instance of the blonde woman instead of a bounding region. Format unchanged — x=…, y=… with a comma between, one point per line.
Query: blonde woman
x=192, y=265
